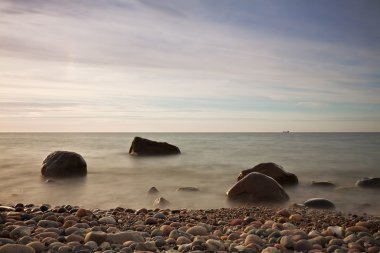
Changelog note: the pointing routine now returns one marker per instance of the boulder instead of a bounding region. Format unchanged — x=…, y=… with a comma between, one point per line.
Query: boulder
x=273, y=170
x=64, y=164
x=161, y=203
x=145, y=147
x=319, y=203
x=373, y=182
x=257, y=187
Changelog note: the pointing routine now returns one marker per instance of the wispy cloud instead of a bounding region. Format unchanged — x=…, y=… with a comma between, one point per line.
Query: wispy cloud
x=174, y=59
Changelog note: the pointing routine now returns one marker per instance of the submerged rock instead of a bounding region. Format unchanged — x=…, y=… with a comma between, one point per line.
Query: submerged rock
x=161, y=203
x=319, y=203
x=153, y=191
x=322, y=184
x=257, y=187
x=64, y=164
x=145, y=147
x=187, y=189
x=373, y=182
x=274, y=171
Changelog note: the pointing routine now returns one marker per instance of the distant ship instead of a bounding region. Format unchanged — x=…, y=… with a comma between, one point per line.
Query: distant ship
x=286, y=132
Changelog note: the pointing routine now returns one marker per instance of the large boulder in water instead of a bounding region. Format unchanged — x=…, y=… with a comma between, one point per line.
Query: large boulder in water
x=373, y=183
x=257, y=188
x=274, y=171
x=145, y=147
x=64, y=164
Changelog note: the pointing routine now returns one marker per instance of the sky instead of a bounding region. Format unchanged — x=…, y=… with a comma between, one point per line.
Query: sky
x=189, y=66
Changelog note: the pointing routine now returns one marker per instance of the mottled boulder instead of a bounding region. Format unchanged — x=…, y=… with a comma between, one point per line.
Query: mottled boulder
x=319, y=203
x=64, y=164
x=256, y=187
x=274, y=171
x=373, y=182
x=145, y=147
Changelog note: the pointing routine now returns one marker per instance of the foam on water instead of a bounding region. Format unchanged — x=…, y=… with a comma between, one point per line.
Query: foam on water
x=210, y=162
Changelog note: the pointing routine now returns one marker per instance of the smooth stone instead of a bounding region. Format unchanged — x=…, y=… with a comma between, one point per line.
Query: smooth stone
x=74, y=238
x=373, y=182
x=159, y=216
x=214, y=245
x=295, y=217
x=121, y=237
x=287, y=242
x=197, y=230
x=64, y=164
x=273, y=170
x=271, y=250
x=336, y=231
x=182, y=240
x=93, y=245
x=253, y=239
x=257, y=187
x=97, y=236
x=25, y=240
x=48, y=224
x=19, y=232
x=150, y=221
x=37, y=246
x=147, y=246
x=107, y=220
x=7, y=209
x=157, y=232
x=7, y=241
x=65, y=249
x=16, y=248
x=319, y=203
x=303, y=245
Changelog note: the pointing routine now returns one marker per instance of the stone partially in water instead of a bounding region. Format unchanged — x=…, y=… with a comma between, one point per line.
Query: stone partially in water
x=257, y=187
x=187, y=189
x=319, y=203
x=161, y=203
x=145, y=147
x=64, y=164
x=274, y=171
x=153, y=191
x=373, y=183
x=321, y=184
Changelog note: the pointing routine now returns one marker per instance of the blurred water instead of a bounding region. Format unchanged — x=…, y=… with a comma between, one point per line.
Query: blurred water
x=209, y=161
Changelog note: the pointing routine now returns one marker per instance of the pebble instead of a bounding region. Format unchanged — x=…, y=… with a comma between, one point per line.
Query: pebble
x=197, y=230
x=107, y=220
x=16, y=248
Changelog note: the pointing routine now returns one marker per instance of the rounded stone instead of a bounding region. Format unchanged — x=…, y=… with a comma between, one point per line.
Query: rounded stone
x=37, y=246
x=197, y=230
x=97, y=236
x=303, y=245
x=319, y=203
x=19, y=232
x=16, y=248
x=64, y=164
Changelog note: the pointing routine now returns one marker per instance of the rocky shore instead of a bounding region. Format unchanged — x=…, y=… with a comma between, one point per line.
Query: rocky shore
x=65, y=229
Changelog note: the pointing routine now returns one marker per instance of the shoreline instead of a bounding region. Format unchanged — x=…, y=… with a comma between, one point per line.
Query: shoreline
x=30, y=228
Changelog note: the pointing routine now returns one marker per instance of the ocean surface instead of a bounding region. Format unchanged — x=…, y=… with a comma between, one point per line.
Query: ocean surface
x=209, y=161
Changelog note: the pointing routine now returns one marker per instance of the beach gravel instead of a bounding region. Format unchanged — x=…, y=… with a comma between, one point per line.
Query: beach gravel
x=65, y=229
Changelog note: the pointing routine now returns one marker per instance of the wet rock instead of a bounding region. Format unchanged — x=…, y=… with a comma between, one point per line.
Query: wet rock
x=274, y=171
x=161, y=203
x=145, y=147
x=319, y=203
x=64, y=164
x=187, y=189
x=153, y=191
x=16, y=248
x=257, y=187
x=326, y=184
x=373, y=183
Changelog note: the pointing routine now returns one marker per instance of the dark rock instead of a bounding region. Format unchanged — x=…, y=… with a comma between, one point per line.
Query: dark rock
x=145, y=147
x=373, y=182
x=257, y=187
x=319, y=203
x=153, y=191
x=274, y=171
x=64, y=164
x=322, y=184
x=187, y=189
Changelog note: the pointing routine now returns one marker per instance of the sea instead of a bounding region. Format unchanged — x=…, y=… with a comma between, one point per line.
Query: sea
x=210, y=162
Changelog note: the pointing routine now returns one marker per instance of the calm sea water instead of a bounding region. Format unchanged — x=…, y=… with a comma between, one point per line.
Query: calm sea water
x=209, y=161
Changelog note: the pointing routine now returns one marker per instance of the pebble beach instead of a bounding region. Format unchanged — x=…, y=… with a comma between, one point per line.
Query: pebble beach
x=63, y=229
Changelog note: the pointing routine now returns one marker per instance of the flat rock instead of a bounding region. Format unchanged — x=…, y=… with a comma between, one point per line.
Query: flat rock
x=144, y=147
x=274, y=171
x=257, y=187
x=64, y=164
x=372, y=183
x=319, y=203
